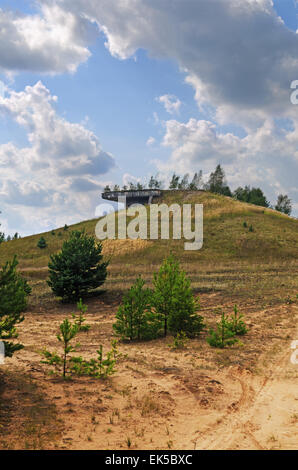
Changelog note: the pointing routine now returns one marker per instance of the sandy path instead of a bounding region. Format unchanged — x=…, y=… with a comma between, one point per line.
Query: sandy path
x=266, y=416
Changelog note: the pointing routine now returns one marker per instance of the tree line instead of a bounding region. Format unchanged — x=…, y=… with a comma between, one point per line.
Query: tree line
x=217, y=184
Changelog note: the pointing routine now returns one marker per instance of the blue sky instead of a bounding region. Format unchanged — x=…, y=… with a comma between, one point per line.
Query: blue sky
x=141, y=89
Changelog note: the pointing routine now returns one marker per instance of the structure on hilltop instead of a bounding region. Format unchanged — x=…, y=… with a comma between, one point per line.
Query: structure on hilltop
x=144, y=196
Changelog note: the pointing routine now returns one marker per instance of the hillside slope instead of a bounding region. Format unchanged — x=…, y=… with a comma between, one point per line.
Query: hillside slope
x=274, y=236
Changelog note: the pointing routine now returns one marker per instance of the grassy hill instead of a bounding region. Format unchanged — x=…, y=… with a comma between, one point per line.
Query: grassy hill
x=231, y=256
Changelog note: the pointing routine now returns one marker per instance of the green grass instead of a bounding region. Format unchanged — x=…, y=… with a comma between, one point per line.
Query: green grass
x=232, y=260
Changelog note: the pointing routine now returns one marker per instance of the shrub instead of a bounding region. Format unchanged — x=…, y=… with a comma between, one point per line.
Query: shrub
x=98, y=368
x=173, y=300
x=42, y=243
x=236, y=323
x=223, y=335
x=78, y=267
x=65, y=227
x=179, y=341
x=135, y=320
x=67, y=366
x=14, y=291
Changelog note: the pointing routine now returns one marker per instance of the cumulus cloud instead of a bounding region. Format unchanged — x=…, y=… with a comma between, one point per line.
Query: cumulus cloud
x=267, y=157
x=171, y=103
x=57, y=173
x=240, y=59
x=56, y=144
x=237, y=54
x=53, y=40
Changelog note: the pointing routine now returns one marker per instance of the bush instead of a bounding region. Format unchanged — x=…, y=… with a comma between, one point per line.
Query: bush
x=67, y=366
x=98, y=368
x=236, y=323
x=179, y=342
x=223, y=335
x=42, y=243
x=173, y=300
x=14, y=291
x=78, y=268
x=135, y=320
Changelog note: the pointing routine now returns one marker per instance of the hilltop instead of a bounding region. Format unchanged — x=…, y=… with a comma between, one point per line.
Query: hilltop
x=230, y=253
x=274, y=236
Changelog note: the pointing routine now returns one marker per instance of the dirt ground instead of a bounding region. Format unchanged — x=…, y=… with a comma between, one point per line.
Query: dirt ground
x=244, y=397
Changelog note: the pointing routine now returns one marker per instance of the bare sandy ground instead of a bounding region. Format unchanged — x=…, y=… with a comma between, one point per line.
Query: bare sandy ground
x=163, y=399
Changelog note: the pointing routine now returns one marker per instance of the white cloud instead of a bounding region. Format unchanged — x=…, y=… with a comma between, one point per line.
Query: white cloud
x=127, y=178
x=267, y=157
x=151, y=141
x=56, y=144
x=57, y=173
x=53, y=40
x=171, y=103
x=237, y=54
x=239, y=57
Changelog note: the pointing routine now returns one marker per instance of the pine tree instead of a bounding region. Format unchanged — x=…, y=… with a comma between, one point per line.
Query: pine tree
x=184, y=182
x=217, y=182
x=173, y=300
x=154, y=183
x=284, y=204
x=236, y=322
x=174, y=181
x=197, y=181
x=78, y=268
x=42, y=243
x=135, y=320
x=251, y=195
x=68, y=331
x=223, y=335
x=14, y=291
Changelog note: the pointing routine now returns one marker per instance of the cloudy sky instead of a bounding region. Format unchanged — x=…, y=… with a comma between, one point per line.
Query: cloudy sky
x=96, y=92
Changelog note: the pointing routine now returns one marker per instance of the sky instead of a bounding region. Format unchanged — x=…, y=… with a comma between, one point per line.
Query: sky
x=97, y=92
